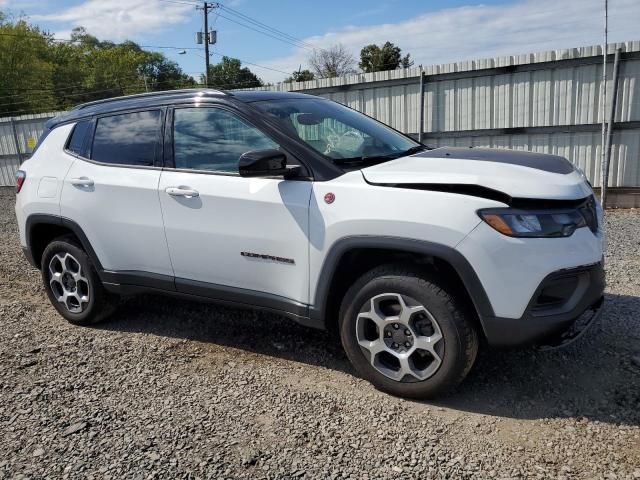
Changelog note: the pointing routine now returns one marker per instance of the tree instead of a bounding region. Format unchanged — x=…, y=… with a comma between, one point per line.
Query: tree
x=230, y=73
x=159, y=73
x=25, y=68
x=388, y=57
x=300, y=76
x=39, y=74
x=332, y=62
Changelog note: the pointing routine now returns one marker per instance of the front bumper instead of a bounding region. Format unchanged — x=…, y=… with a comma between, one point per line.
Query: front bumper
x=554, y=315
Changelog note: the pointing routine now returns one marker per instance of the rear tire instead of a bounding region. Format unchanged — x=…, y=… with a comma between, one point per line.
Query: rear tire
x=72, y=283
x=406, y=332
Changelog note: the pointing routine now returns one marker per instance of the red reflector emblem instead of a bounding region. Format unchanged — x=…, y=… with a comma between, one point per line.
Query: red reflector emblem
x=329, y=198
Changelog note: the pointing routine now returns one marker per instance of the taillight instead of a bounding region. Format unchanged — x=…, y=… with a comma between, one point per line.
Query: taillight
x=20, y=178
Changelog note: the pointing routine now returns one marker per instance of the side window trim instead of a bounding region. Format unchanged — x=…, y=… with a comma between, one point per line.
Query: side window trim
x=170, y=147
x=158, y=153
x=167, y=144
x=88, y=141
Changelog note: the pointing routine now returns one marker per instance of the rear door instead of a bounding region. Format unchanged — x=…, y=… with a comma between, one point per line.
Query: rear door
x=111, y=191
x=232, y=237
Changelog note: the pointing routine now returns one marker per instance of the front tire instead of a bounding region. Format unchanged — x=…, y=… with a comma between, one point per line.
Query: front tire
x=72, y=283
x=406, y=332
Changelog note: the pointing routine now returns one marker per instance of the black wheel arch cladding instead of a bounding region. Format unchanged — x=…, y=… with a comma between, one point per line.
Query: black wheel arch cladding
x=455, y=259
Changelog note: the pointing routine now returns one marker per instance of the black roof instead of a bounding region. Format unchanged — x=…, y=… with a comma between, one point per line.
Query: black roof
x=249, y=96
x=167, y=97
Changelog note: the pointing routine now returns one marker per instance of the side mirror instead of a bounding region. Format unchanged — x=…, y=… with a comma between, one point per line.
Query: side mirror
x=263, y=163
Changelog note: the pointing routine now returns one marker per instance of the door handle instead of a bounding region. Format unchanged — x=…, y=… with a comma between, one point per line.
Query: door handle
x=182, y=192
x=82, y=182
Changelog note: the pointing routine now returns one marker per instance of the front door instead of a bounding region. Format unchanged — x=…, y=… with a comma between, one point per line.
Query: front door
x=229, y=237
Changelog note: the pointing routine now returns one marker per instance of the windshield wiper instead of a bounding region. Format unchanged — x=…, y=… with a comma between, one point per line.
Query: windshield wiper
x=412, y=150
x=380, y=158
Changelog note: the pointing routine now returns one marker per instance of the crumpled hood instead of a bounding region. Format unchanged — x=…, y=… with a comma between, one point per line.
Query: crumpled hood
x=517, y=174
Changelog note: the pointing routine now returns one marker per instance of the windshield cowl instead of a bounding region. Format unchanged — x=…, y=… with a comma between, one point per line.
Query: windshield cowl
x=380, y=158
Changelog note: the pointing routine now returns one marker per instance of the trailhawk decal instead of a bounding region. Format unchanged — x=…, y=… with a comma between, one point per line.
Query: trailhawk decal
x=262, y=256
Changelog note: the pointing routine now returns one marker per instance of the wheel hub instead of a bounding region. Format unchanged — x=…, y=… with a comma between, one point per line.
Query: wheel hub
x=398, y=337
x=68, y=282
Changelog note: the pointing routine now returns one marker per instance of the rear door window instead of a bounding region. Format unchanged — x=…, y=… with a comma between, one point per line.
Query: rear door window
x=128, y=138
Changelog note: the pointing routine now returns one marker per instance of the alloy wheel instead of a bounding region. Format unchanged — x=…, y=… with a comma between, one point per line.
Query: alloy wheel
x=400, y=337
x=67, y=281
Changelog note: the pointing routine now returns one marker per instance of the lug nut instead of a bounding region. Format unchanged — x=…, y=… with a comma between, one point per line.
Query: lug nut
x=394, y=345
x=387, y=334
x=396, y=326
x=407, y=332
x=407, y=344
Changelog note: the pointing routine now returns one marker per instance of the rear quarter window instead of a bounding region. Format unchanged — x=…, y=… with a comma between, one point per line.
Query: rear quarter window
x=78, y=141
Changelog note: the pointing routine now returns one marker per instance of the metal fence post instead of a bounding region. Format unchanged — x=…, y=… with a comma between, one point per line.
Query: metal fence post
x=612, y=113
x=15, y=138
x=421, y=126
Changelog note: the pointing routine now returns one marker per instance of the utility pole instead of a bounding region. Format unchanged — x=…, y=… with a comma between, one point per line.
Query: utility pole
x=207, y=37
x=206, y=44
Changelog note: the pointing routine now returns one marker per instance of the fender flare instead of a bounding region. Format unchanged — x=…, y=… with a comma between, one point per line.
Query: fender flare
x=452, y=256
x=47, y=219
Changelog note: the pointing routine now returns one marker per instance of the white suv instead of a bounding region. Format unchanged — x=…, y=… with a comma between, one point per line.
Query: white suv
x=297, y=204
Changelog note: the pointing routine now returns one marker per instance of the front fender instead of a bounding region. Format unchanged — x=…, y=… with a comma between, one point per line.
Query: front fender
x=448, y=254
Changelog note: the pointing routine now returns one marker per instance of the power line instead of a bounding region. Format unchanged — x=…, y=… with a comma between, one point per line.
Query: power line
x=169, y=47
x=254, y=64
x=78, y=40
x=179, y=2
x=59, y=89
x=295, y=44
x=125, y=85
x=279, y=34
x=29, y=111
x=265, y=26
x=69, y=95
x=145, y=46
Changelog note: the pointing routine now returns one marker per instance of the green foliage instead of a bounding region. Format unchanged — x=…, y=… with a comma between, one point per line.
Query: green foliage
x=25, y=66
x=300, y=76
x=39, y=74
x=230, y=73
x=388, y=57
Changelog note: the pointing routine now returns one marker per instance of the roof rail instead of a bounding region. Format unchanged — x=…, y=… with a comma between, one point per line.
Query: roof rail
x=150, y=94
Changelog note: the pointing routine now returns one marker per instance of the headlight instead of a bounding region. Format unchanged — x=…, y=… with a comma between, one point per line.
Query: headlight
x=523, y=223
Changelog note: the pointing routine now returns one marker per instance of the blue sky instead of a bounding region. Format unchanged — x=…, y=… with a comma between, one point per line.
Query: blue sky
x=433, y=31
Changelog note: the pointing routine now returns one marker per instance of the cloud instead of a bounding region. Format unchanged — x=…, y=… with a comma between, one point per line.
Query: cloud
x=120, y=19
x=479, y=31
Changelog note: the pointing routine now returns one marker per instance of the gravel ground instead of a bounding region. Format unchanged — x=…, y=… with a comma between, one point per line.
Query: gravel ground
x=188, y=390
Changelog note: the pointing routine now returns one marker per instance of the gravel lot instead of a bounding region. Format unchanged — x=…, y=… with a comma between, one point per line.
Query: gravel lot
x=188, y=390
